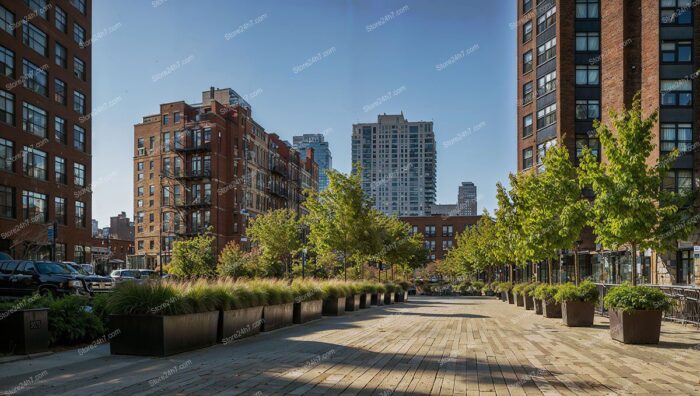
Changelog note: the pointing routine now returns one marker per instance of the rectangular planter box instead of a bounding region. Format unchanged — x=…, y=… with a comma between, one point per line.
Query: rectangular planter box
x=401, y=297
x=239, y=323
x=577, y=314
x=365, y=300
x=551, y=309
x=278, y=316
x=529, y=304
x=511, y=298
x=334, y=306
x=352, y=303
x=24, y=332
x=378, y=299
x=160, y=335
x=306, y=311
x=519, y=300
x=504, y=296
x=635, y=327
x=389, y=298
x=538, y=305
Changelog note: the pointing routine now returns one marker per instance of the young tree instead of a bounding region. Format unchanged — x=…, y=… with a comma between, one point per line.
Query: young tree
x=193, y=257
x=278, y=234
x=233, y=262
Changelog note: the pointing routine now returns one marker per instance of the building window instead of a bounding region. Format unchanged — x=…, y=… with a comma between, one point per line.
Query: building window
x=676, y=136
x=7, y=202
x=547, y=84
x=527, y=31
x=79, y=102
x=34, y=120
x=60, y=170
x=165, y=119
x=587, y=9
x=587, y=41
x=547, y=116
x=79, y=69
x=60, y=92
x=35, y=207
x=448, y=230
x=79, y=254
x=60, y=210
x=527, y=6
x=587, y=109
x=677, y=93
x=34, y=38
x=35, y=163
x=38, y=6
x=7, y=20
x=546, y=20
x=527, y=158
x=80, y=5
x=592, y=143
x=7, y=107
x=176, y=117
x=79, y=174
x=59, y=126
x=527, y=125
x=79, y=214
x=527, y=92
x=542, y=149
x=676, y=51
x=78, y=34
x=60, y=20
x=447, y=245
x=61, y=56
x=35, y=78
x=166, y=142
x=527, y=62
x=676, y=12
x=429, y=231
x=139, y=191
x=587, y=74
x=6, y=155
x=7, y=62
x=547, y=51
x=679, y=181
x=78, y=138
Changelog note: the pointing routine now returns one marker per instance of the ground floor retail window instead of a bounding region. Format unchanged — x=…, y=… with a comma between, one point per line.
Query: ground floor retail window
x=685, y=268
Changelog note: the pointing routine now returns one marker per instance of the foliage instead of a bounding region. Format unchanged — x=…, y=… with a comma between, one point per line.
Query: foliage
x=504, y=287
x=546, y=292
x=518, y=288
x=529, y=289
x=628, y=298
x=306, y=290
x=150, y=298
x=234, y=263
x=70, y=321
x=586, y=291
x=278, y=234
x=193, y=257
x=333, y=289
x=275, y=291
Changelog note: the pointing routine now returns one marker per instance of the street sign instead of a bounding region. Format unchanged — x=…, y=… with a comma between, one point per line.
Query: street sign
x=51, y=233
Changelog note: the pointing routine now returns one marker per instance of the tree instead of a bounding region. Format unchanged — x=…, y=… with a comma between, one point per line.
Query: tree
x=631, y=207
x=193, y=257
x=233, y=262
x=278, y=234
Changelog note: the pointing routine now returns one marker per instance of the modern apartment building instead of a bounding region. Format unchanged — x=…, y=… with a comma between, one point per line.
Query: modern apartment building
x=439, y=232
x=45, y=134
x=322, y=154
x=578, y=59
x=467, y=199
x=398, y=161
x=209, y=165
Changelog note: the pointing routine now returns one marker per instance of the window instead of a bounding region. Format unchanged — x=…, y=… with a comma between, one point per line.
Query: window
x=78, y=138
x=542, y=149
x=61, y=56
x=34, y=38
x=79, y=68
x=165, y=119
x=527, y=62
x=166, y=142
x=38, y=6
x=547, y=51
x=78, y=34
x=35, y=78
x=447, y=230
x=7, y=107
x=546, y=20
x=6, y=155
x=527, y=92
x=587, y=41
x=60, y=92
x=527, y=31
x=447, y=245
x=34, y=119
x=79, y=174
x=679, y=181
x=527, y=6
x=587, y=9
x=139, y=166
x=527, y=158
x=676, y=51
x=79, y=102
x=676, y=136
x=60, y=170
x=35, y=163
x=587, y=109
x=7, y=20
x=7, y=62
x=547, y=116
x=59, y=126
x=139, y=191
x=592, y=143
x=7, y=202
x=35, y=207
x=527, y=125
x=79, y=214
x=587, y=74
x=676, y=12
x=677, y=93
x=80, y=5
x=429, y=231
x=176, y=117
x=547, y=84
x=60, y=210
x=60, y=20
x=151, y=189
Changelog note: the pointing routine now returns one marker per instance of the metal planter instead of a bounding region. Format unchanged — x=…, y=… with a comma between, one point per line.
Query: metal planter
x=529, y=304
x=278, y=316
x=519, y=299
x=401, y=297
x=239, y=323
x=551, y=309
x=577, y=313
x=307, y=311
x=378, y=299
x=352, y=303
x=389, y=298
x=538, y=305
x=511, y=298
x=24, y=332
x=635, y=327
x=365, y=300
x=334, y=306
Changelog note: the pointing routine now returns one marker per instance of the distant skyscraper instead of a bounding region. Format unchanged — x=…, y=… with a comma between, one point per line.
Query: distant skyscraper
x=466, y=199
x=398, y=162
x=322, y=154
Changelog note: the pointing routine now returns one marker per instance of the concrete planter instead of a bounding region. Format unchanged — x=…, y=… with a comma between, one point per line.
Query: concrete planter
x=378, y=299
x=352, y=303
x=334, y=306
x=529, y=304
x=519, y=299
x=160, y=335
x=577, y=313
x=538, y=305
x=635, y=327
x=365, y=300
x=551, y=309
x=306, y=311
x=24, y=332
x=239, y=323
x=389, y=298
x=278, y=316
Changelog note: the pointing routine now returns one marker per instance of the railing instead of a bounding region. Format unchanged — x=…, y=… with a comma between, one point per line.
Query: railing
x=686, y=307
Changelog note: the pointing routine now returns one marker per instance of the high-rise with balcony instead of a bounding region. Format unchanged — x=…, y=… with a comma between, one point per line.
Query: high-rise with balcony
x=45, y=128
x=322, y=154
x=578, y=59
x=398, y=162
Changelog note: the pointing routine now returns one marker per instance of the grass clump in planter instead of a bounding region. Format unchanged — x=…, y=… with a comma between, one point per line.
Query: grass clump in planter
x=546, y=292
x=203, y=296
x=626, y=297
x=368, y=287
x=151, y=298
x=529, y=289
x=333, y=289
x=275, y=291
x=393, y=288
x=306, y=290
x=586, y=292
x=518, y=288
x=405, y=285
x=477, y=286
x=504, y=287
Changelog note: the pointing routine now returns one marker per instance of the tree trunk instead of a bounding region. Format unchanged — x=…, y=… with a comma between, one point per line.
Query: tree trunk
x=510, y=273
x=576, y=267
x=634, y=264
x=549, y=271
x=345, y=267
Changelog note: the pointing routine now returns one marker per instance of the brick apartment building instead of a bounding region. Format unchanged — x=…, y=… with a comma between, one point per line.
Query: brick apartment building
x=439, y=232
x=209, y=165
x=45, y=138
x=578, y=59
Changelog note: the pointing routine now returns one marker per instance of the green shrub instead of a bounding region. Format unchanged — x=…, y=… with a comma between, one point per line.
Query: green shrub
x=368, y=287
x=405, y=285
x=275, y=291
x=546, y=292
x=586, y=291
x=504, y=287
x=529, y=289
x=628, y=298
x=477, y=286
x=150, y=298
x=305, y=290
x=99, y=307
x=333, y=289
x=71, y=321
x=518, y=288
x=381, y=288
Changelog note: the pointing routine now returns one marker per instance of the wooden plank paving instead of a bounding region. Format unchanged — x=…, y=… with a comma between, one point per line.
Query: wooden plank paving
x=431, y=345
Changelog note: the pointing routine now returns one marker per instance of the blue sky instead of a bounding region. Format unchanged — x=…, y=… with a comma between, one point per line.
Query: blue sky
x=311, y=66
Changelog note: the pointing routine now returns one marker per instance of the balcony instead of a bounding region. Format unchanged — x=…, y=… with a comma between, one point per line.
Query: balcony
x=189, y=147
x=194, y=175
x=192, y=231
x=280, y=192
x=193, y=203
x=279, y=169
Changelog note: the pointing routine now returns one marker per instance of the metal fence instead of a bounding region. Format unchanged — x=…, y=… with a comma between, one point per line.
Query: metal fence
x=685, y=310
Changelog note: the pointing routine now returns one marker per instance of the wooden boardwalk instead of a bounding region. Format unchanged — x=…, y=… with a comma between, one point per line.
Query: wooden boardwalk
x=431, y=345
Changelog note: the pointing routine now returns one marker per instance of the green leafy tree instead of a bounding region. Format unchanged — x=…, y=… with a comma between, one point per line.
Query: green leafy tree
x=278, y=234
x=234, y=262
x=193, y=257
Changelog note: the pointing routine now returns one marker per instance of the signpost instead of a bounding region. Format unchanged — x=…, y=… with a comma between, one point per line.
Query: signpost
x=52, y=235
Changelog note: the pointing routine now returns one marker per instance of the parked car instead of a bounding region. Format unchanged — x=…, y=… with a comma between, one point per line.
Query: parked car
x=148, y=274
x=98, y=284
x=24, y=277
x=87, y=269
x=124, y=275
x=5, y=256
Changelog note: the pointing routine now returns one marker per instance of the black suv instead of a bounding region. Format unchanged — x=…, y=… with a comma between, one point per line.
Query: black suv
x=23, y=277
